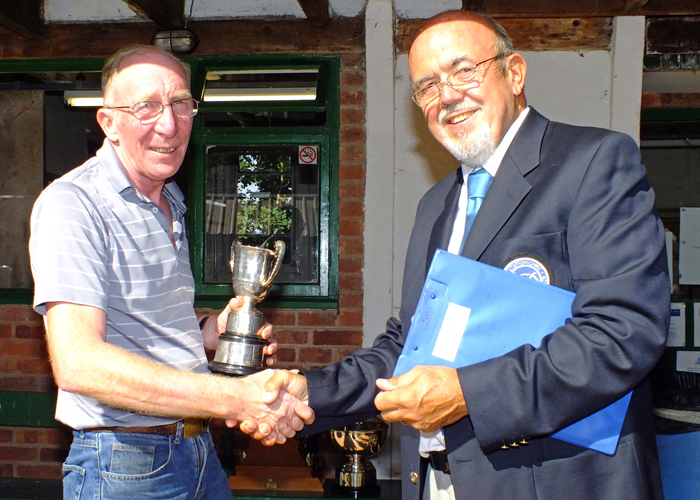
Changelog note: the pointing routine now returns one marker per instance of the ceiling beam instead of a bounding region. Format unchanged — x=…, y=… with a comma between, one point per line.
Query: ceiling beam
x=24, y=18
x=582, y=8
x=168, y=14
x=316, y=11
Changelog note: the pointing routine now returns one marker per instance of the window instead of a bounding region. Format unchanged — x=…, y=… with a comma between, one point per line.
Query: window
x=261, y=165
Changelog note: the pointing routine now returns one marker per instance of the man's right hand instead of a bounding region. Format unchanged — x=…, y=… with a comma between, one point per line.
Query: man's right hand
x=282, y=407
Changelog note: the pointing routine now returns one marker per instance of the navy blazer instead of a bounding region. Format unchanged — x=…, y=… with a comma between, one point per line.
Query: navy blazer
x=577, y=200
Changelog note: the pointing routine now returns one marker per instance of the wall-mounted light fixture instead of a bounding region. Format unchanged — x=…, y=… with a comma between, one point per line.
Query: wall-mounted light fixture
x=176, y=41
x=287, y=84
x=83, y=98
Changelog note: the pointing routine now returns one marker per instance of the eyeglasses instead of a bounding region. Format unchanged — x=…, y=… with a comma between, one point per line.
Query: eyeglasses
x=459, y=78
x=149, y=111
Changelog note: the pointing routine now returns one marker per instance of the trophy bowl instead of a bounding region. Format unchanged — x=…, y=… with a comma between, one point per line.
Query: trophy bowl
x=359, y=441
x=239, y=350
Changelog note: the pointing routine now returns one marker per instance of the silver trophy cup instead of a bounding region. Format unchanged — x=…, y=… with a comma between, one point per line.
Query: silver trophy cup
x=239, y=351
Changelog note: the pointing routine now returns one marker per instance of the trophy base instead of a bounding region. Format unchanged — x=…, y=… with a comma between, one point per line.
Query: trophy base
x=367, y=491
x=239, y=355
x=232, y=370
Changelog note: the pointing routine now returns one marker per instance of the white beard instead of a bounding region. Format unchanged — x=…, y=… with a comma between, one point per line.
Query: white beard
x=471, y=149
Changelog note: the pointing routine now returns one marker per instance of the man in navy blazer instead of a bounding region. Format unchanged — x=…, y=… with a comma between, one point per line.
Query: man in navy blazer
x=572, y=205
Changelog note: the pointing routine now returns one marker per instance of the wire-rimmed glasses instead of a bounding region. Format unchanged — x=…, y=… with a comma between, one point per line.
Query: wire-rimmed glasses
x=150, y=111
x=461, y=77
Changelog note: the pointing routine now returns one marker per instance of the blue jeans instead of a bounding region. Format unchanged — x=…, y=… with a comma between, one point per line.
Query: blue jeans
x=125, y=466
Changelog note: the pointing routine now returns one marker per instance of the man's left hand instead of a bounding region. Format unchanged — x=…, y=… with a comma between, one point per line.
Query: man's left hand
x=426, y=398
x=211, y=337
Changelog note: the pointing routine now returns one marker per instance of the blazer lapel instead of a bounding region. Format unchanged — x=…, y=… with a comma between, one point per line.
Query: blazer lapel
x=442, y=229
x=508, y=187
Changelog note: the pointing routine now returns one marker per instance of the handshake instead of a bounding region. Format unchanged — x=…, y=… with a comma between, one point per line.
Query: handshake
x=273, y=405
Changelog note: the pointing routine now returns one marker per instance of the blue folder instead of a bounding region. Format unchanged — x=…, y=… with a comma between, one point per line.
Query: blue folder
x=469, y=312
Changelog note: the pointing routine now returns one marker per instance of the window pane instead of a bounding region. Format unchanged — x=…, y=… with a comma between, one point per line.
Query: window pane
x=259, y=194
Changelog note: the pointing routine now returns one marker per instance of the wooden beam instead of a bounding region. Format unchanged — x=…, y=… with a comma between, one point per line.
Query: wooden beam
x=316, y=11
x=582, y=8
x=23, y=17
x=340, y=36
x=533, y=34
x=168, y=14
x=635, y=5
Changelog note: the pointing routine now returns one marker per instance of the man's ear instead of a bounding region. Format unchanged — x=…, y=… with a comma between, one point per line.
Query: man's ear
x=517, y=70
x=105, y=118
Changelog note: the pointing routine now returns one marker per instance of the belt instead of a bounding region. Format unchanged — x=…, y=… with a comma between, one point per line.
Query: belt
x=438, y=461
x=191, y=427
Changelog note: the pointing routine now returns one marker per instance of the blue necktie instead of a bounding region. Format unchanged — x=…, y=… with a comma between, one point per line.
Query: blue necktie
x=478, y=182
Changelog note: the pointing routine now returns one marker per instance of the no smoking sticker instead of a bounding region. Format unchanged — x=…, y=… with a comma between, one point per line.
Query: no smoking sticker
x=308, y=155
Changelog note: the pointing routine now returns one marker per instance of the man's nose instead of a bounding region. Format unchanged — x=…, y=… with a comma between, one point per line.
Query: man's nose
x=167, y=123
x=448, y=94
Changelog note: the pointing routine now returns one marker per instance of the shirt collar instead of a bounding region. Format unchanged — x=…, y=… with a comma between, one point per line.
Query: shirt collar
x=114, y=171
x=496, y=158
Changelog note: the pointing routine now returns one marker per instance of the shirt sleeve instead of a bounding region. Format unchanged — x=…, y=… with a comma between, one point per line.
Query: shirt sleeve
x=68, y=248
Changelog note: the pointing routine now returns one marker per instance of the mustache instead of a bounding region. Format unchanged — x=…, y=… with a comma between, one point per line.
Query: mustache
x=456, y=107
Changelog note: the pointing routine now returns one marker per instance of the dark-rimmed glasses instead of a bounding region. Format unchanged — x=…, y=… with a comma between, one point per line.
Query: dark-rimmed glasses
x=461, y=77
x=150, y=111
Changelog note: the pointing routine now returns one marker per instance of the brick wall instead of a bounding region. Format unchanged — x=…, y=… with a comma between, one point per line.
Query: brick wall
x=308, y=338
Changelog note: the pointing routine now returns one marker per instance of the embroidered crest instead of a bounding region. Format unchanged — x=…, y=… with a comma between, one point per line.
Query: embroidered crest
x=528, y=266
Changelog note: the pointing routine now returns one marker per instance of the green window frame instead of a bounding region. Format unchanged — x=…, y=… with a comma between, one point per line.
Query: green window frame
x=324, y=292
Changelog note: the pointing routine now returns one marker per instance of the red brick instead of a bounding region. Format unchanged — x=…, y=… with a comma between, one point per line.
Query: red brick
x=286, y=355
x=352, y=171
x=42, y=471
x=351, y=208
x=33, y=366
x=351, y=245
x=7, y=365
x=316, y=355
x=280, y=317
x=30, y=332
x=350, y=265
x=5, y=331
x=352, y=97
x=352, y=79
x=22, y=349
x=351, y=227
x=317, y=318
x=349, y=282
x=18, y=453
x=351, y=60
x=6, y=436
x=351, y=152
x=350, y=116
x=6, y=470
x=19, y=313
x=350, y=301
x=351, y=318
x=352, y=134
x=295, y=337
x=56, y=455
x=339, y=338
x=352, y=188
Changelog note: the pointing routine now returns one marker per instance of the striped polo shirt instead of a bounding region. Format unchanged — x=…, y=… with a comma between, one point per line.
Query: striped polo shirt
x=96, y=241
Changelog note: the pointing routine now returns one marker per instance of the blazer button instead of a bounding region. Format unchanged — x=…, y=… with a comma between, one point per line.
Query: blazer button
x=505, y=447
x=414, y=477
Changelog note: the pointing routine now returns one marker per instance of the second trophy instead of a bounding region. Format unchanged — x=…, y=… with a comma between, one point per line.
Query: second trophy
x=239, y=351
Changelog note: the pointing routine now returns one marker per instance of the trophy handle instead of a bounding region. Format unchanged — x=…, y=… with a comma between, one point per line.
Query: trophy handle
x=278, y=254
x=233, y=254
